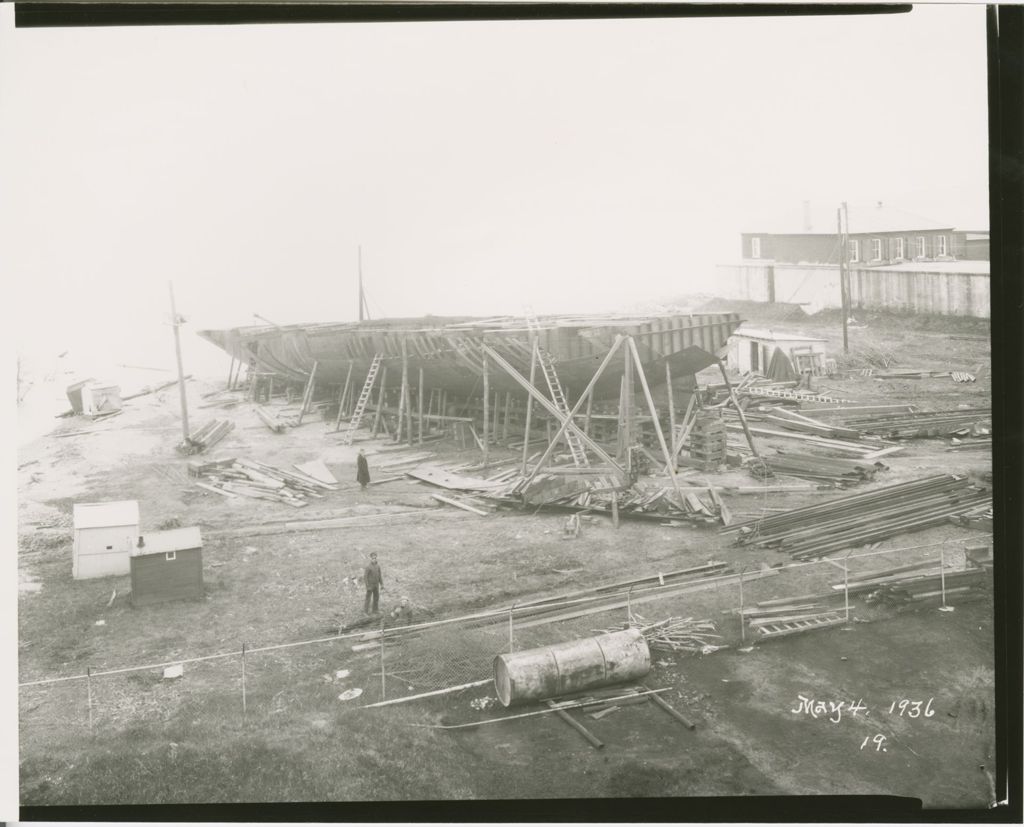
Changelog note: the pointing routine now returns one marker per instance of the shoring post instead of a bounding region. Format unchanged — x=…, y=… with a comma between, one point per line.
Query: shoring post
x=615, y=509
x=743, y=619
x=231, y=370
x=671, y=410
x=382, y=688
x=529, y=406
x=629, y=607
x=487, y=390
x=419, y=409
x=245, y=706
x=88, y=689
x=511, y=637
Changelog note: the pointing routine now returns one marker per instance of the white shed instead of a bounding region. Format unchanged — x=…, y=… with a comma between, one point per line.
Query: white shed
x=751, y=350
x=105, y=536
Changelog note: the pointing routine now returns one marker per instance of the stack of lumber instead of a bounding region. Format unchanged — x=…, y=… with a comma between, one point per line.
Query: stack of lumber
x=865, y=450
x=858, y=519
x=976, y=444
x=980, y=517
x=673, y=634
x=275, y=421
x=916, y=373
x=924, y=424
x=247, y=478
x=793, y=421
x=206, y=437
x=840, y=472
x=963, y=376
x=915, y=582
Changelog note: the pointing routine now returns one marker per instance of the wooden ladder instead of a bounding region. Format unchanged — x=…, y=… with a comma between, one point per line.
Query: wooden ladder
x=363, y=401
x=547, y=365
x=790, y=627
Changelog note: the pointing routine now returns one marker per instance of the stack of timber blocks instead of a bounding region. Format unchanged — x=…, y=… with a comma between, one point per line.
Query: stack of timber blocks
x=707, y=441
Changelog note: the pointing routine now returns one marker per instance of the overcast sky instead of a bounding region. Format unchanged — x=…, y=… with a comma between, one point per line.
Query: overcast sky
x=574, y=166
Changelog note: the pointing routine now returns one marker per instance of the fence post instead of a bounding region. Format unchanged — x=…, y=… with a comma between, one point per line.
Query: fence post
x=846, y=586
x=244, y=705
x=382, y=688
x=88, y=689
x=942, y=574
x=743, y=619
x=629, y=608
x=511, y=638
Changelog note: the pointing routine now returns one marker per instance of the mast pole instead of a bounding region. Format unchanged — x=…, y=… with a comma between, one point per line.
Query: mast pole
x=175, y=320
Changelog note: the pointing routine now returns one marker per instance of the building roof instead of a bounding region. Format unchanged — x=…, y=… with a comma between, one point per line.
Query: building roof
x=820, y=219
x=774, y=336
x=176, y=539
x=106, y=515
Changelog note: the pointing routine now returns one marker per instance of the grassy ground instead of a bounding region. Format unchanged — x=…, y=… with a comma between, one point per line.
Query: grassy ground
x=154, y=740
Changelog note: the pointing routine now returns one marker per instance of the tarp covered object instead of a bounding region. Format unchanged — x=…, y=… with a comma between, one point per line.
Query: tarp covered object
x=780, y=368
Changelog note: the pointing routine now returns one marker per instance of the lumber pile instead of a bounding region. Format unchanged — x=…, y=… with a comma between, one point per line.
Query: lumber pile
x=248, y=478
x=673, y=634
x=960, y=422
x=837, y=471
x=272, y=420
x=971, y=444
x=858, y=519
x=929, y=583
x=206, y=437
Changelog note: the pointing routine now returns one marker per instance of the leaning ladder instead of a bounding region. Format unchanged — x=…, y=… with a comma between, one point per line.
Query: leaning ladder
x=363, y=401
x=547, y=365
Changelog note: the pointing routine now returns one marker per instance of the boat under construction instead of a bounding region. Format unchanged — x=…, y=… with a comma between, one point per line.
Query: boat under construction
x=452, y=353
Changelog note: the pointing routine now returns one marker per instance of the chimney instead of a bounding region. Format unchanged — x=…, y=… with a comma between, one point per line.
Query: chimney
x=807, y=217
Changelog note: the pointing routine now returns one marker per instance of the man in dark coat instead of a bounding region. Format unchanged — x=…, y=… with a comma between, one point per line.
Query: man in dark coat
x=362, y=470
x=374, y=582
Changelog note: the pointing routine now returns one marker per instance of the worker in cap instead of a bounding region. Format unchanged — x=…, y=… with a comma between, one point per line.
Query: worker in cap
x=373, y=580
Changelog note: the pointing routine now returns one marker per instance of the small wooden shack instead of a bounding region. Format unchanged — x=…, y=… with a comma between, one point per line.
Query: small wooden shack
x=104, y=536
x=167, y=565
x=751, y=351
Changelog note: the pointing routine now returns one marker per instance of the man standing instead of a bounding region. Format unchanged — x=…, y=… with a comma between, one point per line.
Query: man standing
x=374, y=582
x=362, y=470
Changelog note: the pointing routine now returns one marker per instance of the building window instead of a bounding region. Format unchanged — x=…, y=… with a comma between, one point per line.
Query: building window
x=940, y=245
x=854, y=251
x=876, y=249
x=896, y=248
x=755, y=248
x=919, y=246
x=170, y=555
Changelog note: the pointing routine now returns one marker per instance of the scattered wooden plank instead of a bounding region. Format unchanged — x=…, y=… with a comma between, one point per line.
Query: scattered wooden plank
x=592, y=739
x=457, y=504
x=318, y=471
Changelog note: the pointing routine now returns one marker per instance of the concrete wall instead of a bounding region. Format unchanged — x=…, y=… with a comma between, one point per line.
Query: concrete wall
x=816, y=287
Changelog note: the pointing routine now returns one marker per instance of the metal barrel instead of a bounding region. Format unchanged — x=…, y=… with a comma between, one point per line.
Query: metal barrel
x=549, y=671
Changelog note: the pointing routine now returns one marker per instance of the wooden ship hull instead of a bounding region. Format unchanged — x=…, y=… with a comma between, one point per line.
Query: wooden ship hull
x=447, y=348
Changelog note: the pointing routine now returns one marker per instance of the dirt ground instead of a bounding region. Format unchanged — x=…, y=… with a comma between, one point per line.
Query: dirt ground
x=187, y=740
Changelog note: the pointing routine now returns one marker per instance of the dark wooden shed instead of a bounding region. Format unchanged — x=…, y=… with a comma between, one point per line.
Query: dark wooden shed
x=167, y=565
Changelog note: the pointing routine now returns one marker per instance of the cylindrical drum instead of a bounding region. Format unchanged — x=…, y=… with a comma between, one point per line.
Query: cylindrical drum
x=570, y=667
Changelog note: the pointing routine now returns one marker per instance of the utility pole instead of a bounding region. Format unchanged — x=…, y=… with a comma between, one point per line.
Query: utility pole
x=844, y=297
x=176, y=321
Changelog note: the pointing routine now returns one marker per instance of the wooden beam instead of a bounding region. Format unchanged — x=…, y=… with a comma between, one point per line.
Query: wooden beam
x=419, y=405
x=739, y=410
x=579, y=403
x=487, y=391
x=307, y=395
x=457, y=504
x=671, y=409
x=582, y=730
x=529, y=404
x=549, y=406
x=401, y=393
x=341, y=399
x=657, y=424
